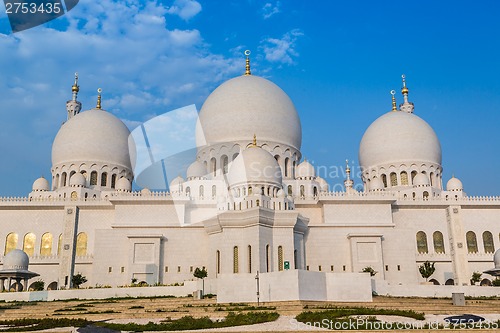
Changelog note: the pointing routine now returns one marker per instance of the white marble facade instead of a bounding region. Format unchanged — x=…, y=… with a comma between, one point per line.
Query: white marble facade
x=249, y=205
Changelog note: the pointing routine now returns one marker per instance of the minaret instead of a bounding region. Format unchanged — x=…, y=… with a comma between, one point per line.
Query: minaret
x=348, y=182
x=406, y=106
x=73, y=106
x=247, y=67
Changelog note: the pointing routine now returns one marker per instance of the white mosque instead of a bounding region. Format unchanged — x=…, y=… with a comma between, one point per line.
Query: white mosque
x=249, y=202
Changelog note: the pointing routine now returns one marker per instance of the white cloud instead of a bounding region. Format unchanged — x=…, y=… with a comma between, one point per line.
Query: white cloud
x=270, y=9
x=185, y=9
x=282, y=50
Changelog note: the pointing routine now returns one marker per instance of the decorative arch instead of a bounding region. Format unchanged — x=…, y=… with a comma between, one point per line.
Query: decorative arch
x=201, y=192
x=93, y=178
x=10, y=242
x=404, y=178
x=438, y=241
x=280, y=258
x=104, y=179
x=217, y=261
x=63, y=179
x=46, y=245
x=434, y=282
x=489, y=246
x=471, y=242
x=213, y=166
x=422, y=242
x=450, y=282
x=394, y=179
x=81, y=244
x=268, y=258
x=249, y=259
x=29, y=244
x=236, y=263
x=384, y=179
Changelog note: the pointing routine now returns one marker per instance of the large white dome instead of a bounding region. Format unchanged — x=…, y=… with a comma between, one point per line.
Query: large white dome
x=248, y=105
x=92, y=136
x=399, y=137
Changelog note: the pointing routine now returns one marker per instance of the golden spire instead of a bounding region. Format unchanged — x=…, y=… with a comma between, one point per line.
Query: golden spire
x=254, y=143
x=404, y=90
x=347, y=168
x=98, y=106
x=247, y=67
x=76, y=87
x=394, y=107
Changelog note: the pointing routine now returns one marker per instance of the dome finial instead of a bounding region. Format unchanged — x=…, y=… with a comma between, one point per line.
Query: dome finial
x=406, y=106
x=75, y=88
x=98, y=106
x=394, y=107
x=348, y=182
x=247, y=67
x=254, y=143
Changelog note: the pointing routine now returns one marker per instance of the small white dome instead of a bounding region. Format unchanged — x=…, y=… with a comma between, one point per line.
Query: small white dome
x=496, y=259
x=92, y=136
x=77, y=180
x=399, y=137
x=16, y=260
x=196, y=170
x=281, y=193
x=323, y=185
x=41, y=184
x=254, y=166
x=124, y=185
x=145, y=191
x=421, y=180
x=305, y=170
x=174, y=184
x=454, y=184
x=376, y=184
x=248, y=105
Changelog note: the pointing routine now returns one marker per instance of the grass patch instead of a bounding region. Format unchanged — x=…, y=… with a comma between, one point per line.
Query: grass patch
x=71, y=309
x=24, y=325
x=337, y=313
x=136, y=307
x=245, y=308
x=101, y=312
x=191, y=323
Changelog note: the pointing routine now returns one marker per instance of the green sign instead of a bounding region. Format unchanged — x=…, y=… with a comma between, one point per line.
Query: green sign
x=287, y=265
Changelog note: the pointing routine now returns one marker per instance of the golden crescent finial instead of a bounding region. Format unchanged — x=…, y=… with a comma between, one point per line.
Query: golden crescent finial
x=75, y=87
x=247, y=66
x=404, y=90
x=394, y=106
x=98, y=106
x=254, y=140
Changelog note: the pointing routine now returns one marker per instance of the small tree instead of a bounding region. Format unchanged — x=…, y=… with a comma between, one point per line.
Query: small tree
x=78, y=280
x=427, y=269
x=201, y=274
x=38, y=285
x=476, y=277
x=496, y=282
x=369, y=269
x=134, y=282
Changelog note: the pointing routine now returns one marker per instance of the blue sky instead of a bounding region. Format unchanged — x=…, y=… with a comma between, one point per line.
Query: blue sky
x=337, y=60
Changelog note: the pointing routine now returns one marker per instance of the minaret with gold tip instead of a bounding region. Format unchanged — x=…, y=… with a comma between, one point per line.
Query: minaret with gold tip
x=247, y=66
x=348, y=182
x=98, y=106
x=406, y=106
x=74, y=106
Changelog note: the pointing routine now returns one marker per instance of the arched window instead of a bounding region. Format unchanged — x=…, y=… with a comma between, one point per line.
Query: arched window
x=71, y=174
x=413, y=174
x=422, y=242
x=214, y=191
x=394, y=179
x=46, y=244
x=426, y=194
x=268, y=259
x=188, y=190
x=431, y=176
x=250, y=190
x=404, y=178
x=224, y=162
x=104, y=179
x=471, y=242
x=257, y=202
x=10, y=242
x=113, y=181
x=235, y=155
x=294, y=164
x=302, y=191
x=290, y=191
x=63, y=179
x=295, y=259
x=56, y=185
x=489, y=246
x=249, y=259
x=280, y=258
x=213, y=166
x=384, y=180
x=201, y=192
x=287, y=162
x=235, y=260
x=59, y=245
x=93, y=178
x=81, y=244
x=315, y=191
x=437, y=238
x=29, y=244
x=217, y=261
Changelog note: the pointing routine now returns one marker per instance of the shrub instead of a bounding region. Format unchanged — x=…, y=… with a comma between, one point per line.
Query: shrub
x=427, y=269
